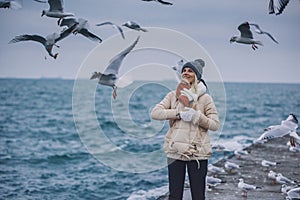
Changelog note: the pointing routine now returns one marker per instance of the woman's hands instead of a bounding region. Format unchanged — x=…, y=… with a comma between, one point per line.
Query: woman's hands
x=187, y=114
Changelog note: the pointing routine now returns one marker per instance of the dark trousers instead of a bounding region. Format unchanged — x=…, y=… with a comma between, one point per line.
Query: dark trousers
x=197, y=178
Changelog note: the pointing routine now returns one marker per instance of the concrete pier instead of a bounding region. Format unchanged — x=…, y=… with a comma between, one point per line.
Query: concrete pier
x=252, y=171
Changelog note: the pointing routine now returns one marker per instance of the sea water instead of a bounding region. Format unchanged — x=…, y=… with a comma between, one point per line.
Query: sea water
x=59, y=140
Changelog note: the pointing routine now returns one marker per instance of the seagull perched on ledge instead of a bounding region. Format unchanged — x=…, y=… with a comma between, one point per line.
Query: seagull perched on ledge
x=246, y=187
x=109, y=76
x=246, y=36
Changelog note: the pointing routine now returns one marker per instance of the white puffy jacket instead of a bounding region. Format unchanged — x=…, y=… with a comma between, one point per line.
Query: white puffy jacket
x=187, y=140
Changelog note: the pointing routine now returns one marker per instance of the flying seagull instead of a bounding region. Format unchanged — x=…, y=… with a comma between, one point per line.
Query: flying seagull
x=109, y=76
x=12, y=4
x=160, y=1
x=277, y=6
x=259, y=31
x=286, y=127
x=56, y=10
x=81, y=27
x=246, y=36
x=47, y=42
x=114, y=25
x=246, y=187
x=134, y=26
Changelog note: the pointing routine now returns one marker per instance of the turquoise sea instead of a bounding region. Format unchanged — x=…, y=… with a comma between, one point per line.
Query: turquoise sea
x=61, y=139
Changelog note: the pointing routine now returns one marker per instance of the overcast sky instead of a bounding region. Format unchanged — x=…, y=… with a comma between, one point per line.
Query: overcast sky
x=210, y=23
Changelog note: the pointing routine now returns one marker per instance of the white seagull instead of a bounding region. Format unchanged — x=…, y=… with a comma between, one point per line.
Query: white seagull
x=272, y=175
x=214, y=169
x=246, y=187
x=212, y=181
x=259, y=31
x=285, y=188
x=160, y=1
x=286, y=127
x=134, y=26
x=284, y=180
x=231, y=166
x=115, y=26
x=267, y=164
x=240, y=153
x=82, y=27
x=293, y=193
x=47, y=42
x=56, y=10
x=177, y=68
x=277, y=6
x=109, y=76
x=246, y=36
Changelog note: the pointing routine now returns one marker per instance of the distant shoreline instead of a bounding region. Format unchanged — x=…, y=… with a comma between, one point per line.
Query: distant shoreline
x=72, y=79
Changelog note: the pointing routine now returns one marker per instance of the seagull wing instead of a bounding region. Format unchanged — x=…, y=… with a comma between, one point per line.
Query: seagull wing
x=164, y=2
x=268, y=34
x=4, y=4
x=257, y=28
x=66, y=32
x=68, y=22
x=280, y=5
x=56, y=5
x=116, y=26
x=275, y=132
x=90, y=35
x=259, y=31
x=244, y=28
x=25, y=37
x=40, y=1
x=115, y=63
x=271, y=7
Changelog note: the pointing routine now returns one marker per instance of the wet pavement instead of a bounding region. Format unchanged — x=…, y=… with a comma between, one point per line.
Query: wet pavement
x=252, y=171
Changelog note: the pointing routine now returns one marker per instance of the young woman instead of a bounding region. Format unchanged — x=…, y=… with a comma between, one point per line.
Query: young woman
x=187, y=142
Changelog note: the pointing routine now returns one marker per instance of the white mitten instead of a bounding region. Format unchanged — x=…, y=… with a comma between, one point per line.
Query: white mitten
x=188, y=114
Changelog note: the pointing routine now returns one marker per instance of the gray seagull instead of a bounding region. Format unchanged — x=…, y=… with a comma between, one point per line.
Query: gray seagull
x=259, y=31
x=47, y=42
x=134, y=26
x=56, y=10
x=115, y=26
x=109, y=76
x=246, y=36
x=81, y=27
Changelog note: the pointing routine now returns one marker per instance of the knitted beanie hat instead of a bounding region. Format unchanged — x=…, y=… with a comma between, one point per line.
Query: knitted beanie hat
x=196, y=65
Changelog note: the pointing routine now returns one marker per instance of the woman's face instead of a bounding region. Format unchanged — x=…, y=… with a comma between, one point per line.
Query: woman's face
x=188, y=74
